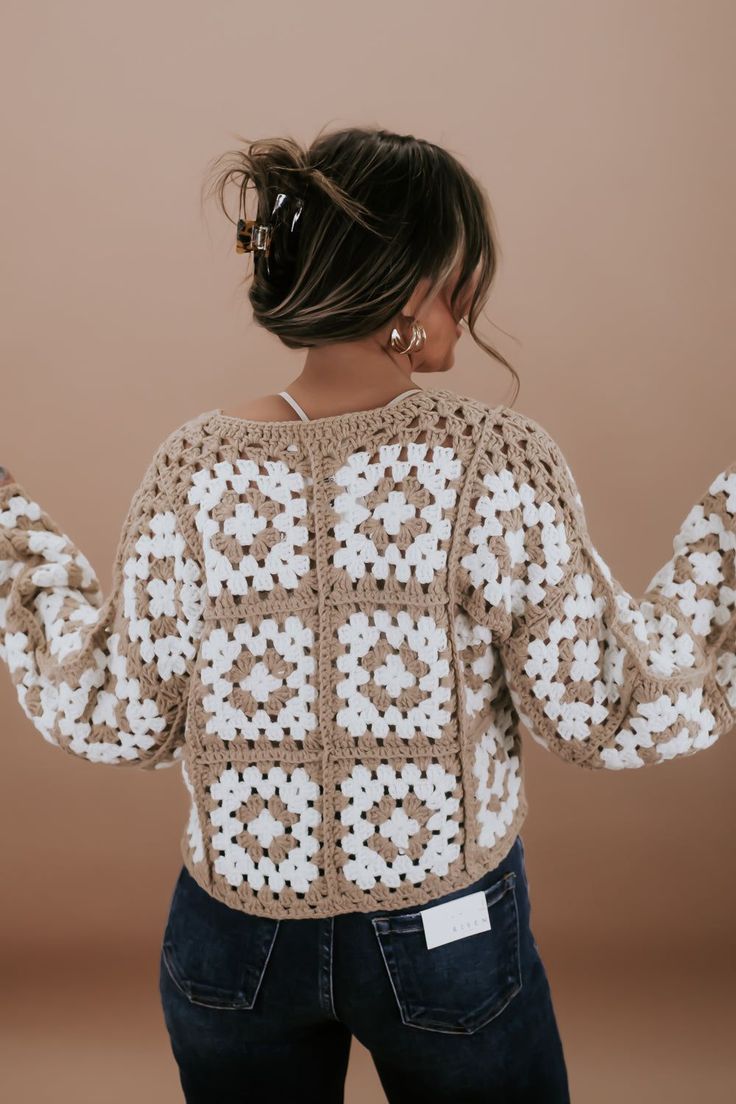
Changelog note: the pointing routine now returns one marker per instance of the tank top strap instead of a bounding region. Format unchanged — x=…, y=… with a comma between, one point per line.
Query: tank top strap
x=294, y=404
x=305, y=418
x=396, y=398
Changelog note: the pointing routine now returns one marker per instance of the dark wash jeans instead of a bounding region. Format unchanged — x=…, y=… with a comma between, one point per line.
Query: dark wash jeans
x=262, y=1010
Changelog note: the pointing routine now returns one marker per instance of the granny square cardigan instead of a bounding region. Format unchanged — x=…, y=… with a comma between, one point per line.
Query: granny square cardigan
x=335, y=629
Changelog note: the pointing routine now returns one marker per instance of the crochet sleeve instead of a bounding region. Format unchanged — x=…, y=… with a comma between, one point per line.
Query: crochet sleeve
x=104, y=679
x=598, y=677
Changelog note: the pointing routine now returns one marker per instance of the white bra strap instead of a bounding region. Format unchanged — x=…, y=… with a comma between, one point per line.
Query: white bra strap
x=397, y=397
x=293, y=403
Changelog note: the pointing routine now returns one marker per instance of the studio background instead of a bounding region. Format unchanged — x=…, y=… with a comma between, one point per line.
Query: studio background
x=604, y=135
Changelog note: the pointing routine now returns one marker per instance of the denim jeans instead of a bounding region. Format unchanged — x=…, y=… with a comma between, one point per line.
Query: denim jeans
x=262, y=1010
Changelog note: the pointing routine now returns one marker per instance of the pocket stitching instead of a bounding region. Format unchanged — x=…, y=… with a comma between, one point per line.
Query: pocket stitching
x=185, y=986
x=389, y=925
x=192, y=991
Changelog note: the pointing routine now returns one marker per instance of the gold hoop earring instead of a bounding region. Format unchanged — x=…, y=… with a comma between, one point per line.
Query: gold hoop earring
x=415, y=343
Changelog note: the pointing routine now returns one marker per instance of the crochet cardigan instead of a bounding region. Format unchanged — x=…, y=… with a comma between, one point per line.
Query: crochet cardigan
x=335, y=629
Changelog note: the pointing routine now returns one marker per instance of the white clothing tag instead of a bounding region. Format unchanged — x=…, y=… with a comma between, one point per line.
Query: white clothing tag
x=455, y=919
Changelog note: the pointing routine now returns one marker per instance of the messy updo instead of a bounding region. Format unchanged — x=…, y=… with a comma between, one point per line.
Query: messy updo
x=381, y=211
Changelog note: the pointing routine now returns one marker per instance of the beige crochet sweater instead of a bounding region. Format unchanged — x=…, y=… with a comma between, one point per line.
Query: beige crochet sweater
x=334, y=628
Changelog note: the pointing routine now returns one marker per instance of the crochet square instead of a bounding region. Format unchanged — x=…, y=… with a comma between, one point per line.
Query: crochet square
x=392, y=680
x=390, y=510
x=398, y=825
x=257, y=684
x=255, y=519
x=263, y=828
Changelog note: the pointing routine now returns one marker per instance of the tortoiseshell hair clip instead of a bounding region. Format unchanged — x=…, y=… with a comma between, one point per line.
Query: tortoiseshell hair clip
x=255, y=237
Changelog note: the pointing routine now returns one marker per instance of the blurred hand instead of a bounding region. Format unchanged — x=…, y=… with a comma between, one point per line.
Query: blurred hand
x=5, y=476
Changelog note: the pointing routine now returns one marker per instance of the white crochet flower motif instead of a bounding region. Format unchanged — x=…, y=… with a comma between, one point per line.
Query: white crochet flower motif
x=60, y=611
x=162, y=603
x=479, y=659
x=678, y=714
x=266, y=825
x=260, y=679
x=497, y=770
x=667, y=646
x=484, y=568
x=401, y=823
x=597, y=659
x=123, y=724
x=395, y=669
x=705, y=568
x=162, y=589
x=394, y=514
x=252, y=520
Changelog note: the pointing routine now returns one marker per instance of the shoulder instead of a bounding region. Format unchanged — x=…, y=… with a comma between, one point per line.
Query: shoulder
x=185, y=437
x=263, y=408
x=515, y=442
x=502, y=424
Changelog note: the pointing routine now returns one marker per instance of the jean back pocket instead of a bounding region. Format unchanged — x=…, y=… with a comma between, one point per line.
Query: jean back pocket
x=459, y=986
x=215, y=954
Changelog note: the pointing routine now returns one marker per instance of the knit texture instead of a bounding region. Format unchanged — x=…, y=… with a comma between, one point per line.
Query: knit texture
x=336, y=628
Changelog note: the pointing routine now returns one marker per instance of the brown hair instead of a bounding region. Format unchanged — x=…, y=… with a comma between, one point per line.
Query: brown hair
x=381, y=212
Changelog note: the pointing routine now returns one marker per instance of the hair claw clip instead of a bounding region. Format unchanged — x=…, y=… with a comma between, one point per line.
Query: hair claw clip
x=252, y=237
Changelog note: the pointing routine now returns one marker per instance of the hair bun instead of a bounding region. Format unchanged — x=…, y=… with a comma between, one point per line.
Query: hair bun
x=345, y=230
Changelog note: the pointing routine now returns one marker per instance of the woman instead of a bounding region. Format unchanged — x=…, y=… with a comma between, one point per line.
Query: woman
x=333, y=608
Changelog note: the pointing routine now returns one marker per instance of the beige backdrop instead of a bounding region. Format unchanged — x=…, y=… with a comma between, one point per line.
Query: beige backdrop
x=604, y=133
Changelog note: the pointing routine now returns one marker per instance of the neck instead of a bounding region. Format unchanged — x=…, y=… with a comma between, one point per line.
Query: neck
x=350, y=375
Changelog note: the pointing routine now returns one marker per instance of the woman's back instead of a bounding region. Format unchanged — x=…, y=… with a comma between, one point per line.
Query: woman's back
x=335, y=627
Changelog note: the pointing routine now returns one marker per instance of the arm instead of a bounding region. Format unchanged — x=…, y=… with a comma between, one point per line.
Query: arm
x=103, y=679
x=596, y=676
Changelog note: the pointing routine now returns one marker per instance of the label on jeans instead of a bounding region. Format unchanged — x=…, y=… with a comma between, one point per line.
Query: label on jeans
x=455, y=919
